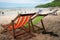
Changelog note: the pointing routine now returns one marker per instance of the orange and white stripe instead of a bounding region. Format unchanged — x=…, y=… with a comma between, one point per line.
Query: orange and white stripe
x=22, y=20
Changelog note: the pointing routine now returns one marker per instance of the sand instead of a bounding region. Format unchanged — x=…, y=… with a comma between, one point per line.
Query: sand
x=51, y=22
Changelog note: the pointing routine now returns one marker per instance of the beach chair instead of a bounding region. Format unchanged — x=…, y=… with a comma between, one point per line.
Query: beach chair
x=54, y=12
x=21, y=20
x=18, y=23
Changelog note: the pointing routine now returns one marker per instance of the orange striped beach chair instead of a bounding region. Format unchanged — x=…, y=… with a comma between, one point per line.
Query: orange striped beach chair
x=19, y=22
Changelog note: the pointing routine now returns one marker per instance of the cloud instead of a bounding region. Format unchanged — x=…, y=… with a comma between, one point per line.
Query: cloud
x=26, y=1
x=22, y=3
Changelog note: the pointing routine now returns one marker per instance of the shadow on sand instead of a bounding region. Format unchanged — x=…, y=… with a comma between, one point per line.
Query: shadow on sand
x=44, y=32
x=50, y=33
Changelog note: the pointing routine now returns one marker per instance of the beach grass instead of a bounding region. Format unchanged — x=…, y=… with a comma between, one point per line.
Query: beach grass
x=36, y=20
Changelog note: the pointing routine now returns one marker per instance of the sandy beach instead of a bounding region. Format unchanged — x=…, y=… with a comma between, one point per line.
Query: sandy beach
x=11, y=14
x=51, y=22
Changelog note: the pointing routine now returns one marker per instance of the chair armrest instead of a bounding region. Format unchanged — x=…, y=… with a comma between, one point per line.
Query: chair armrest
x=34, y=16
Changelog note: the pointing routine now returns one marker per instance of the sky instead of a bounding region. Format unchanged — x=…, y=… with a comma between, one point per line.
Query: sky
x=22, y=3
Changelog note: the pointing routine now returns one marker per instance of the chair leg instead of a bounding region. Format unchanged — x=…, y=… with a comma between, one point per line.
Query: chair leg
x=43, y=25
x=14, y=34
x=29, y=27
x=44, y=32
x=30, y=31
x=32, y=26
x=13, y=30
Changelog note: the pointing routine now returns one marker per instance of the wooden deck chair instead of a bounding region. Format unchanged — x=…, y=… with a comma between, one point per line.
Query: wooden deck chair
x=22, y=19
x=54, y=12
x=19, y=22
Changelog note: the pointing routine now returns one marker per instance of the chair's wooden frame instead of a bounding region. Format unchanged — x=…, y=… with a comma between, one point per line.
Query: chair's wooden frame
x=22, y=27
x=30, y=22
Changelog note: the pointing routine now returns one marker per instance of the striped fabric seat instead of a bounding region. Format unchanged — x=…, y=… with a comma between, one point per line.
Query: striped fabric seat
x=20, y=22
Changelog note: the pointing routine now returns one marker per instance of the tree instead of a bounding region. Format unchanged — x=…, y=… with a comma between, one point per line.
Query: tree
x=55, y=3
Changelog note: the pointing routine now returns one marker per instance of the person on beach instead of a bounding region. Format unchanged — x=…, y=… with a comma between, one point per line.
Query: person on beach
x=39, y=11
x=2, y=13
